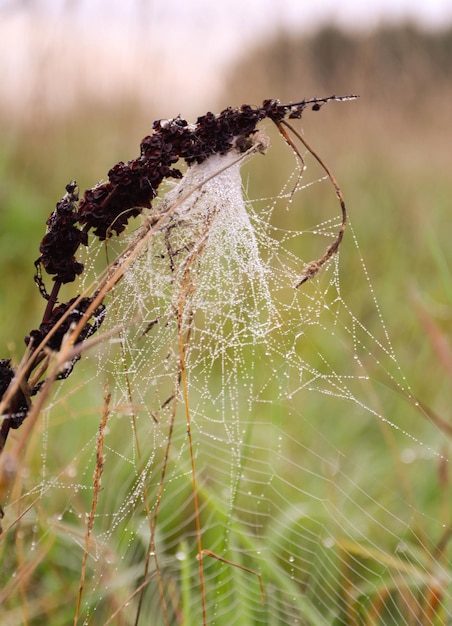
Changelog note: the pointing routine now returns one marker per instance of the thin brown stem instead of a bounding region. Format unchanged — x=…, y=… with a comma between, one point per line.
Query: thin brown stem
x=186, y=290
x=312, y=268
x=193, y=473
x=51, y=301
x=298, y=154
x=97, y=478
x=130, y=597
x=152, y=549
x=243, y=567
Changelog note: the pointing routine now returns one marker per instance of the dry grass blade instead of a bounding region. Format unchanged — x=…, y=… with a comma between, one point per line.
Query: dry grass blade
x=97, y=479
x=139, y=589
x=312, y=268
x=242, y=567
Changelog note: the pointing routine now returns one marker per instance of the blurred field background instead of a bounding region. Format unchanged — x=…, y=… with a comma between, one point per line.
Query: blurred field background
x=390, y=152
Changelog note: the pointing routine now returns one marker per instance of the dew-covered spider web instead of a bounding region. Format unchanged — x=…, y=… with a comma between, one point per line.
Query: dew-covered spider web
x=260, y=448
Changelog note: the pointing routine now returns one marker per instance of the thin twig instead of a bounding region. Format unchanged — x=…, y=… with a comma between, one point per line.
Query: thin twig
x=130, y=597
x=243, y=567
x=312, y=268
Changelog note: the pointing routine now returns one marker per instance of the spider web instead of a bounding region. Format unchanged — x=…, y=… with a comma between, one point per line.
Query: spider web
x=260, y=431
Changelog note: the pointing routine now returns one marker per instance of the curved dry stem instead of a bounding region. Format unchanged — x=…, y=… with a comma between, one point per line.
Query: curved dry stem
x=312, y=268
